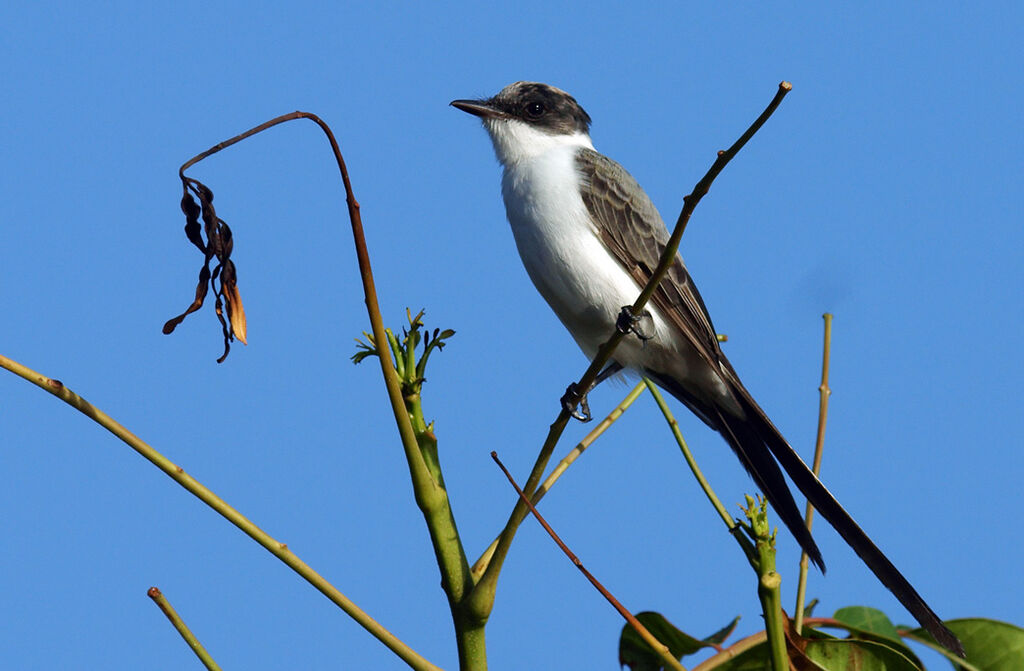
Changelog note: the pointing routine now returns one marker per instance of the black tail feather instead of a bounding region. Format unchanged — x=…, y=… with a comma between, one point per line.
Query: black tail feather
x=758, y=444
x=766, y=473
x=847, y=527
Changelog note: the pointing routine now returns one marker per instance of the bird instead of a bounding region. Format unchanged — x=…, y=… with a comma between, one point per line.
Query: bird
x=590, y=239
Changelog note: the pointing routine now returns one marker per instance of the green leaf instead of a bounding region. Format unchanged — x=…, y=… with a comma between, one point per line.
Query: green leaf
x=359, y=356
x=639, y=656
x=757, y=658
x=991, y=645
x=719, y=636
x=869, y=620
x=873, y=624
x=856, y=655
x=364, y=349
x=828, y=654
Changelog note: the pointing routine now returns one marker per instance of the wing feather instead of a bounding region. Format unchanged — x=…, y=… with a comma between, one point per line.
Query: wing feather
x=632, y=229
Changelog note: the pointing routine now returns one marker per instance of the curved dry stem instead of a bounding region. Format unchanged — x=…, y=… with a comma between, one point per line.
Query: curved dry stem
x=422, y=481
x=429, y=493
x=178, y=474
x=760, y=555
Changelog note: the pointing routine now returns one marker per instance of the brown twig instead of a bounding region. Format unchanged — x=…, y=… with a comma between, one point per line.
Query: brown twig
x=648, y=637
x=819, y=447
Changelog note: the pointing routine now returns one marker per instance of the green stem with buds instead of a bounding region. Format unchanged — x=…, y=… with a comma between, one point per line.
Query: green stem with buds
x=769, y=582
x=457, y=580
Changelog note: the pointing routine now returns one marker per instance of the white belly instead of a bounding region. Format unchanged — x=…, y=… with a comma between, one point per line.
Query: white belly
x=570, y=266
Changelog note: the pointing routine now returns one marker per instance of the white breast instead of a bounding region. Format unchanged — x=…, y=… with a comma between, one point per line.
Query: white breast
x=581, y=280
x=560, y=248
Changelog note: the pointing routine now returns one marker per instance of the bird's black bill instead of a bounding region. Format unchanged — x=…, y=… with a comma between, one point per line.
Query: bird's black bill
x=478, y=108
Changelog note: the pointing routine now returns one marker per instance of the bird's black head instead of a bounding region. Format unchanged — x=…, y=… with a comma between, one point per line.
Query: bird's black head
x=539, y=105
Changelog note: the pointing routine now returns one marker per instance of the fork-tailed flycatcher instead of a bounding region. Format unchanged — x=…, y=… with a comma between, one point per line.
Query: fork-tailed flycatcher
x=590, y=238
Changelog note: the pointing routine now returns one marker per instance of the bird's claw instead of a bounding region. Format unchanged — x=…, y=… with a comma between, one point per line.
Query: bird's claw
x=576, y=403
x=629, y=323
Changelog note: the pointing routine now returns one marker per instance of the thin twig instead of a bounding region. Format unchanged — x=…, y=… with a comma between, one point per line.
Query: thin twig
x=556, y=473
x=648, y=637
x=688, y=456
x=161, y=601
x=738, y=532
x=178, y=474
x=587, y=441
x=482, y=598
x=819, y=446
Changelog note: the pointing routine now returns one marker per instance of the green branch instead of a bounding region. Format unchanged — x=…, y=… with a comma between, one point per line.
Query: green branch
x=178, y=474
x=563, y=465
x=193, y=643
x=688, y=456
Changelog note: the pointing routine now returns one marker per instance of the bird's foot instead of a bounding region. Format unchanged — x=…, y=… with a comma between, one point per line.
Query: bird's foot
x=629, y=323
x=575, y=403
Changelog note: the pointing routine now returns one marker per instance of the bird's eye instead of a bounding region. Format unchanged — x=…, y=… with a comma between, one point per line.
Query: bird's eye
x=535, y=109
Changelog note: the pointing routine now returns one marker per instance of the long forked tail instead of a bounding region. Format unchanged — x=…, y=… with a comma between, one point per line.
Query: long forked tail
x=758, y=444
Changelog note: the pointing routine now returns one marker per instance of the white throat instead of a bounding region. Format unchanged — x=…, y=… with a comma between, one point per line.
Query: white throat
x=516, y=141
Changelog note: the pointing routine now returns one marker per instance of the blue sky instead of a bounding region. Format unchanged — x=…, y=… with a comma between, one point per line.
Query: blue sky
x=885, y=190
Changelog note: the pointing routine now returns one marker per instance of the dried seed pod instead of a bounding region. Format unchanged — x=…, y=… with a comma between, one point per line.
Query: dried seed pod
x=223, y=278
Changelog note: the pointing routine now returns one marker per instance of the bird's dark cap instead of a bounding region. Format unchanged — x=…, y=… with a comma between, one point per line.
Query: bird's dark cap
x=539, y=105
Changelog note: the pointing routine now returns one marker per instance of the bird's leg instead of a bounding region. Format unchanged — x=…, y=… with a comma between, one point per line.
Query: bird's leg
x=575, y=402
x=629, y=323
